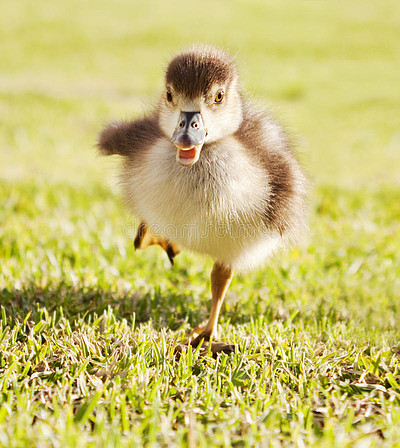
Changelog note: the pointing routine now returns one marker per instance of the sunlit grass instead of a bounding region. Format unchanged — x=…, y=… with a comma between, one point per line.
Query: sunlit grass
x=88, y=327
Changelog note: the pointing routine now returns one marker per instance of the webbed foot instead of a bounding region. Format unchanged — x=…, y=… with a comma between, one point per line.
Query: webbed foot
x=214, y=346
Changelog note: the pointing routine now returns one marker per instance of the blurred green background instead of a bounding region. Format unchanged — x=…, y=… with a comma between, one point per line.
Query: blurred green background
x=329, y=69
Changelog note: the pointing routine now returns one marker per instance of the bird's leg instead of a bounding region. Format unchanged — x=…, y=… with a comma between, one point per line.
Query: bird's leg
x=144, y=238
x=221, y=277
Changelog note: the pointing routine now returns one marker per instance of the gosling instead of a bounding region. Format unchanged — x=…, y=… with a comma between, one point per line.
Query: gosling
x=209, y=172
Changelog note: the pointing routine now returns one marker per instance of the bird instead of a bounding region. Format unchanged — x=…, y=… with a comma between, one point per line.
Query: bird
x=208, y=170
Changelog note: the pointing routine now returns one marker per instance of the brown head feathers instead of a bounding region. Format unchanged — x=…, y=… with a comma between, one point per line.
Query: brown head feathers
x=194, y=71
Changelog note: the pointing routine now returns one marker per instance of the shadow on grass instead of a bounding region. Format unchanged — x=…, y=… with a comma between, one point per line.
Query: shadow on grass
x=162, y=308
x=165, y=308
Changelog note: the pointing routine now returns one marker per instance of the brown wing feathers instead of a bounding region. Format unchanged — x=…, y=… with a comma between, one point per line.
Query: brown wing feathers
x=128, y=137
x=275, y=162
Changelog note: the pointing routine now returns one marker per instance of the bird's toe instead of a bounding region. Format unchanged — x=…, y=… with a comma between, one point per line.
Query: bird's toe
x=207, y=347
x=201, y=337
x=221, y=347
x=214, y=346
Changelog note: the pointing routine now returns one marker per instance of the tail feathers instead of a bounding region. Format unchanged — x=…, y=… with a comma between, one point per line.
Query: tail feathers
x=145, y=239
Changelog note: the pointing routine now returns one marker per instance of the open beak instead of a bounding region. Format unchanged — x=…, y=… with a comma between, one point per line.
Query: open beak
x=188, y=137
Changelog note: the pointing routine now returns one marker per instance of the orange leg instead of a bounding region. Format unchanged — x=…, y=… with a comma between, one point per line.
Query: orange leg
x=144, y=238
x=221, y=277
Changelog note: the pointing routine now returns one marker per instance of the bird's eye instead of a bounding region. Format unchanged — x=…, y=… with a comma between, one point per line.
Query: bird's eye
x=219, y=96
x=169, y=96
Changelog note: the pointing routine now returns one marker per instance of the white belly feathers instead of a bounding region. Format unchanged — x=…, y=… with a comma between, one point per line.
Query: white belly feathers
x=214, y=207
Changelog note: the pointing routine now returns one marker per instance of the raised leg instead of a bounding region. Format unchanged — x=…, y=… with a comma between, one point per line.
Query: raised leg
x=221, y=277
x=144, y=238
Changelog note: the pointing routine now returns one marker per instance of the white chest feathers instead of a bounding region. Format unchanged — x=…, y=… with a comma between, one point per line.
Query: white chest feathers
x=214, y=207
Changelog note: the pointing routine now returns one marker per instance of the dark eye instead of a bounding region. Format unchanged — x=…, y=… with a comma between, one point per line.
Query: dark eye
x=169, y=96
x=219, y=96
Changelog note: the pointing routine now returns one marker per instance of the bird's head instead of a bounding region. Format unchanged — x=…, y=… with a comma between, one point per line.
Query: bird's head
x=201, y=102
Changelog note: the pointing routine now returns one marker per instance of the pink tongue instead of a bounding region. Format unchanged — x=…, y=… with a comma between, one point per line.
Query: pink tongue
x=188, y=154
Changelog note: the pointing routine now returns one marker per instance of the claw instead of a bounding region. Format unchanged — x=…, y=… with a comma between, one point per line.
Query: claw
x=215, y=346
x=171, y=253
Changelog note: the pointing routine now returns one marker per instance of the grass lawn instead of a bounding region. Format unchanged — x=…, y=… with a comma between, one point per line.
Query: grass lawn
x=88, y=327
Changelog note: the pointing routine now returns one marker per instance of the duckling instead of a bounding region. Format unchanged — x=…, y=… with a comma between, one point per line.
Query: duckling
x=209, y=172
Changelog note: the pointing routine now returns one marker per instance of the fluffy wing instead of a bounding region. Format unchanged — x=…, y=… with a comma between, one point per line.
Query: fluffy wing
x=268, y=144
x=126, y=138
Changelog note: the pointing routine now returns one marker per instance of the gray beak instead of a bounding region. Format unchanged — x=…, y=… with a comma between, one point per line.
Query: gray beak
x=190, y=131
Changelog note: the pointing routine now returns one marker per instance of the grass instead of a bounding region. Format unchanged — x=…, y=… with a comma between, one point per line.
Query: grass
x=88, y=327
